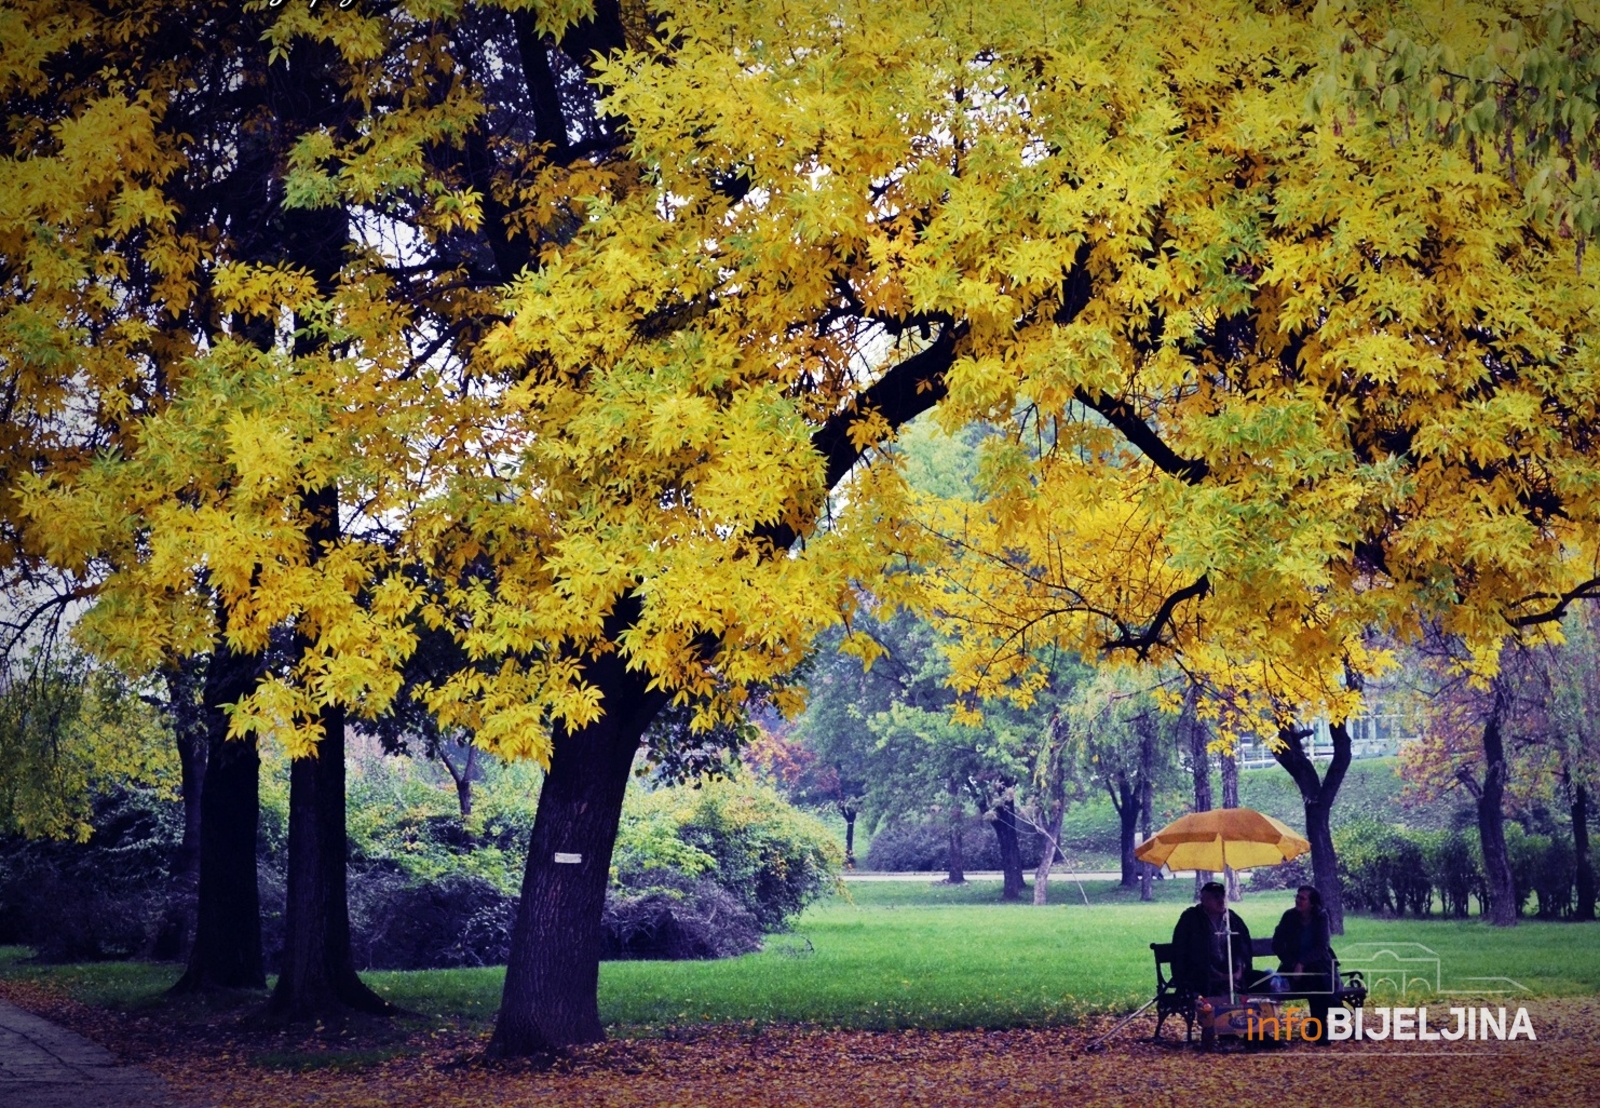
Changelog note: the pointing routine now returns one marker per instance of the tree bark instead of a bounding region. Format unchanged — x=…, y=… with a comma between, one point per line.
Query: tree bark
x=318, y=976
x=848, y=811
x=1047, y=856
x=226, y=952
x=1491, y=816
x=1052, y=805
x=955, y=865
x=1005, y=830
x=184, y=679
x=1580, y=848
x=1318, y=795
x=462, y=778
x=1125, y=799
x=550, y=1000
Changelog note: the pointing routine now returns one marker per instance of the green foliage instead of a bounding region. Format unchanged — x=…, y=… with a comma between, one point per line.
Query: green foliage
x=1382, y=869
x=68, y=733
x=775, y=858
x=106, y=897
x=1453, y=869
x=1391, y=870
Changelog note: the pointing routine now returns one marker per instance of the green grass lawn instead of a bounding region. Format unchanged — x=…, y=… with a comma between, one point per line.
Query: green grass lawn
x=915, y=954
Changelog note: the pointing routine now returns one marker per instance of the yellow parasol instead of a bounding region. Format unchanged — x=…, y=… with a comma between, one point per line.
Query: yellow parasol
x=1235, y=838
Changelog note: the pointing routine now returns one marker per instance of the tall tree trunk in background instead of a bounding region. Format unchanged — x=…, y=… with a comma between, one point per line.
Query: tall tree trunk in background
x=550, y=999
x=226, y=952
x=1125, y=799
x=1052, y=783
x=1580, y=848
x=1005, y=830
x=462, y=777
x=1147, y=788
x=1147, y=757
x=848, y=811
x=1051, y=833
x=1200, y=765
x=1318, y=795
x=184, y=679
x=1490, y=795
x=318, y=975
x=1230, y=799
x=955, y=866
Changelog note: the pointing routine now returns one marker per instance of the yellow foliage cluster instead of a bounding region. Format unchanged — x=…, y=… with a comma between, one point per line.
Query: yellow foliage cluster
x=1265, y=373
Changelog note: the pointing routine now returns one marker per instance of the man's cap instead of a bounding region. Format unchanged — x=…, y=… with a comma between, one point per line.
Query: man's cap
x=1212, y=887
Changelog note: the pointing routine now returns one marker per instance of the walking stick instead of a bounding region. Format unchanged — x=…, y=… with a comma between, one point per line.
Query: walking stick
x=1129, y=1018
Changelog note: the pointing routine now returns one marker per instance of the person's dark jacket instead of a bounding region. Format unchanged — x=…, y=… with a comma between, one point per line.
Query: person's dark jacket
x=1298, y=941
x=1195, y=965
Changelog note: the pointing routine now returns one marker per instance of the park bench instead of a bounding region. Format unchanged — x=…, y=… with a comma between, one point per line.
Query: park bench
x=1342, y=987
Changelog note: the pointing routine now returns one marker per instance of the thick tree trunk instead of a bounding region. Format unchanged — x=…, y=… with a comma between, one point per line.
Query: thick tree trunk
x=1005, y=830
x=184, y=679
x=1125, y=799
x=1492, y=820
x=318, y=975
x=1580, y=847
x=955, y=865
x=849, y=813
x=550, y=1000
x=226, y=952
x=1318, y=796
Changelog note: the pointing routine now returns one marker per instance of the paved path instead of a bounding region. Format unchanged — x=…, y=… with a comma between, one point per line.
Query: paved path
x=46, y=1066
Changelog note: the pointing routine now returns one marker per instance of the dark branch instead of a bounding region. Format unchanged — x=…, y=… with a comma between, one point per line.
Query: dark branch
x=1121, y=415
x=899, y=396
x=1141, y=643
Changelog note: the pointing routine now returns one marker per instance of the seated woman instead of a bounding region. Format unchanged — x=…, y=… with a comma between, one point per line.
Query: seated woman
x=1305, y=957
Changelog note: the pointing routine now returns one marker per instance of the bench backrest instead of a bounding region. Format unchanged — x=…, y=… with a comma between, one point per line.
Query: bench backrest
x=1259, y=948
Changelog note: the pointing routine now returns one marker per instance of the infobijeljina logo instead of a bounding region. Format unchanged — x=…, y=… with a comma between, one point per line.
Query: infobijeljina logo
x=1410, y=971
x=1473, y=1024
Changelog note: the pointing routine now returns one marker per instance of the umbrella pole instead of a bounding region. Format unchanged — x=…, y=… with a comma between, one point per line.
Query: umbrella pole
x=1227, y=925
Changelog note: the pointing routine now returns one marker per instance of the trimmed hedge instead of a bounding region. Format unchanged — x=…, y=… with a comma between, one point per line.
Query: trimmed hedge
x=1392, y=871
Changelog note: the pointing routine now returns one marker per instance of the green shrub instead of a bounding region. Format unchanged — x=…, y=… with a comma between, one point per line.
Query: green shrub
x=1382, y=869
x=1453, y=869
x=772, y=856
x=1555, y=878
x=1542, y=866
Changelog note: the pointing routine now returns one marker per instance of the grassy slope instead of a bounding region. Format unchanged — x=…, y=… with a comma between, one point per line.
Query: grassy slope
x=914, y=954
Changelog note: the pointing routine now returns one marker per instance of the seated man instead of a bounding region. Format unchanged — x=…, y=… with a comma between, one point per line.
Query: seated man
x=1200, y=946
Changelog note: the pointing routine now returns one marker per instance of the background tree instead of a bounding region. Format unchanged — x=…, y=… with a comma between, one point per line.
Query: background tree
x=1129, y=748
x=1572, y=673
